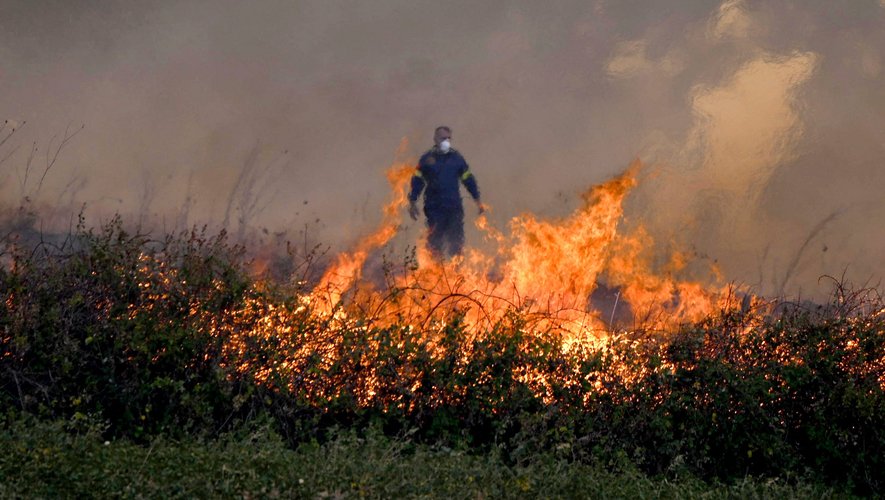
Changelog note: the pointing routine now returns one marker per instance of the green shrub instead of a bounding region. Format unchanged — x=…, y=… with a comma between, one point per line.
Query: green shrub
x=171, y=339
x=48, y=460
x=117, y=327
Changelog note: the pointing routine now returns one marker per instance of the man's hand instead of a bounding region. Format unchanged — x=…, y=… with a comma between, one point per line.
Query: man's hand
x=480, y=208
x=413, y=211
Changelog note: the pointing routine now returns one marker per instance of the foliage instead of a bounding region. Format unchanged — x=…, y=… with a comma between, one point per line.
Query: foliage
x=106, y=326
x=48, y=460
x=154, y=340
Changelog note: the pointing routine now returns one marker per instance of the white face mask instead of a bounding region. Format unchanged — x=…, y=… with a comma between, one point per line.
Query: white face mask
x=445, y=146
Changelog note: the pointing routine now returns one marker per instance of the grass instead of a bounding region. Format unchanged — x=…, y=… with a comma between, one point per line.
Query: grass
x=50, y=460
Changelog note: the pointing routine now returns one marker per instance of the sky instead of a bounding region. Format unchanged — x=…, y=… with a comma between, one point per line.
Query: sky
x=761, y=124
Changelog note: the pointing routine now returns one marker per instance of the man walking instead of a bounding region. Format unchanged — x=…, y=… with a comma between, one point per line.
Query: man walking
x=441, y=171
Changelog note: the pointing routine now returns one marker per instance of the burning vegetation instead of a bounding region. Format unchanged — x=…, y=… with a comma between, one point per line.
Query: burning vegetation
x=515, y=349
x=545, y=270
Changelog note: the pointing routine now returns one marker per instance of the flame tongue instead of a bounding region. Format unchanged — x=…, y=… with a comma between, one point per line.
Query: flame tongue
x=564, y=259
x=347, y=269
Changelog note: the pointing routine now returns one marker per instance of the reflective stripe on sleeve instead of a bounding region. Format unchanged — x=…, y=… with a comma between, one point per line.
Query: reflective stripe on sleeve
x=466, y=175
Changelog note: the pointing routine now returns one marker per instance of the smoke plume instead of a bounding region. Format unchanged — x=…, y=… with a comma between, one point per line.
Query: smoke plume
x=762, y=124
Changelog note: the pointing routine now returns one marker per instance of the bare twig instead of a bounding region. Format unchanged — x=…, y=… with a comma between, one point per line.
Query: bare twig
x=611, y=320
x=11, y=132
x=248, y=197
x=245, y=172
x=24, y=181
x=798, y=256
x=8, y=155
x=146, y=198
x=21, y=397
x=50, y=163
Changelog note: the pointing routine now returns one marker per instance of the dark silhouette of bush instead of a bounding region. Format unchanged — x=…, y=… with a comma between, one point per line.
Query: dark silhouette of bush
x=171, y=337
x=114, y=326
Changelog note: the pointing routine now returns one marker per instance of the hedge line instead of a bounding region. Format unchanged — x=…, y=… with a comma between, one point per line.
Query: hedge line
x=148, y=338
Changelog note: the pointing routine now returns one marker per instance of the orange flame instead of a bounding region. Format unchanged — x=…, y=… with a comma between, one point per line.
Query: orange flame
x=542, y=272
x=546, y=270
x=347, y=269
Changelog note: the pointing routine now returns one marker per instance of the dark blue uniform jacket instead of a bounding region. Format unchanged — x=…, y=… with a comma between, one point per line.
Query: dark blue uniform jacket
x=442, y=174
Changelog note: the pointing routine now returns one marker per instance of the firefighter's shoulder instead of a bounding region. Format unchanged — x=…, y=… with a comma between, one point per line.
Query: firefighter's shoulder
x=459, y=158
x=427, y=159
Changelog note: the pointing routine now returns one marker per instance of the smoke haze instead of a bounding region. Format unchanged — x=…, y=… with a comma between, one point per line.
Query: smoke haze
x=761, y=124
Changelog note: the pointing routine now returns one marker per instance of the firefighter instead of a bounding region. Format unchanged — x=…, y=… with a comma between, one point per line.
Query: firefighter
x=440, y=172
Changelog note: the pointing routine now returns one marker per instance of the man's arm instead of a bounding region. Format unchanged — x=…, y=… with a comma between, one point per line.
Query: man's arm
x=469, y=182
x=418, y=184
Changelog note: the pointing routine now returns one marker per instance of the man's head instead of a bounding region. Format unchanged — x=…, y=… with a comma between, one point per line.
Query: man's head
x=442, y=138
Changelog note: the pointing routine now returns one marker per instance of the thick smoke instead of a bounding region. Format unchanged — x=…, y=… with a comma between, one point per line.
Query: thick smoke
x=763, y=124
